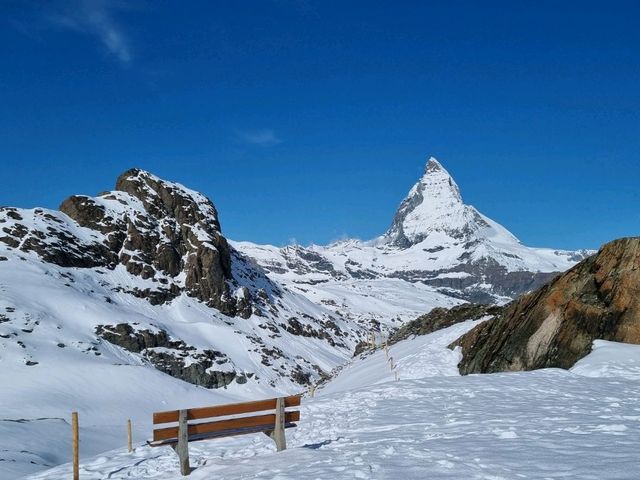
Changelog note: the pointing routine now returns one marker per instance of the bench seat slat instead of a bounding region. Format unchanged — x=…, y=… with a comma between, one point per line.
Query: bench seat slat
x=221, y=425
x=223, y=410
x=223, y=433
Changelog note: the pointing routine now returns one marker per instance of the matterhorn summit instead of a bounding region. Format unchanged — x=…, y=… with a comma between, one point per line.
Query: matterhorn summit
x=434, y=209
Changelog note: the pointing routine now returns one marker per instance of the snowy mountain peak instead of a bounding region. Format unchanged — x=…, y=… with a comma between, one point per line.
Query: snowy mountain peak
x=433, y=204
x=433, y=165
x=437, y=182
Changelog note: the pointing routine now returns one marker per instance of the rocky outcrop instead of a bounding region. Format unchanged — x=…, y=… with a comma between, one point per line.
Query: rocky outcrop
x=470, y=286
x=172, y=356
x=159, y=227
x=439, y=318
x=160, y=231
x=555, y=325
x=51, y=238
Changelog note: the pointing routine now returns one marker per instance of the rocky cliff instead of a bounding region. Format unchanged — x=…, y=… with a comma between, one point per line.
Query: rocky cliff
x=555, y=325
x=158, y=230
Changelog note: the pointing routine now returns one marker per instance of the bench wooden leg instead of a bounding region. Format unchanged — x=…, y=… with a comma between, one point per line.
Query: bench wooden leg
x=182, y=448
x=278, y=432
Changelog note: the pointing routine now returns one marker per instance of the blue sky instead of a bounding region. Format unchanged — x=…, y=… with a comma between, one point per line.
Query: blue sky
x=310, y=120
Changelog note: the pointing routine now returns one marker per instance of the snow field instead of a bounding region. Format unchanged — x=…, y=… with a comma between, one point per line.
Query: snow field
x=546, y=424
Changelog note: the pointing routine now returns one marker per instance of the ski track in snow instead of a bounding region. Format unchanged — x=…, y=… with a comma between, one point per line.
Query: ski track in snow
x=546, y=424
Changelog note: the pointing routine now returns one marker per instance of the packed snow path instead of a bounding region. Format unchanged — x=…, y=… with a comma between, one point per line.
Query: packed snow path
x=548, y=424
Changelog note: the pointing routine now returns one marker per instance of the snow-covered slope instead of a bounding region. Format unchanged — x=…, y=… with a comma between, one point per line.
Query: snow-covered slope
x=610, y=359
x=438, y=251
x=98, y=299
x=550, y=424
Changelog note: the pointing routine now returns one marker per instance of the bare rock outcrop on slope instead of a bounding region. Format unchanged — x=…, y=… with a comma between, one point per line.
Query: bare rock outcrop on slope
x=555, y=325
x=158, y=226
x=162, y=232
x=440, y=317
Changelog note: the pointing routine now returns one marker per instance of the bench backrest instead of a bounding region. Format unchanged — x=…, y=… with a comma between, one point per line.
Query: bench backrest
x=237, y=425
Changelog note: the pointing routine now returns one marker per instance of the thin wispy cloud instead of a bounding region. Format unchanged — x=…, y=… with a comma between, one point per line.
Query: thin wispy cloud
x=91, y=18
x=261, y=138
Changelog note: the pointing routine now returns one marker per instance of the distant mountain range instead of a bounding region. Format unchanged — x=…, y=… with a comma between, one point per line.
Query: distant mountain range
x=437, y=250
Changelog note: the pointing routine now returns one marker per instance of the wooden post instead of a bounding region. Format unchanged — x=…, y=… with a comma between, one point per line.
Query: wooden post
x=312, y=390
x=182, y=449
x=129, y=437
x=75, y=445
x=278, y=431
x=397, y=376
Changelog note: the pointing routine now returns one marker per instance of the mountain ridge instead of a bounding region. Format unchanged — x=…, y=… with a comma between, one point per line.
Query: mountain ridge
x=434, y=239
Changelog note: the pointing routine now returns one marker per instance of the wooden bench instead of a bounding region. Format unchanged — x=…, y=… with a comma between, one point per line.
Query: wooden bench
x=178, y=436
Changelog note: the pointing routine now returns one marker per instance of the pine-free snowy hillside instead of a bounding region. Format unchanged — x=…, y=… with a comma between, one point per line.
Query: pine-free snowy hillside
x=99, y=298
x=438, y=251
x=431, y=423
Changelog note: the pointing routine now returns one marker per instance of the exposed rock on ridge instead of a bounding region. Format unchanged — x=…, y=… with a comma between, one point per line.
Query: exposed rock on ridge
x=440, y=318
x=157, y=226
x=172, y=356
x=159, y=231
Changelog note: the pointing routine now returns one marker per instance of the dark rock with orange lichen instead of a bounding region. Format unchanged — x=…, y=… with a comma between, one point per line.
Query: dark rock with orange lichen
x=556, y=325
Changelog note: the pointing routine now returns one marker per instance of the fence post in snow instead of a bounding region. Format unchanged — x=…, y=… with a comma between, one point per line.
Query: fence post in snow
x=129, y=437
x=75, y=448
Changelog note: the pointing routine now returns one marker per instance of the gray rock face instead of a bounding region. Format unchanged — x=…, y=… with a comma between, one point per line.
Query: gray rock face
x=161, y=229
x=504, y=283
x=439, y=318
x=54, y=241
x=171, y=356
